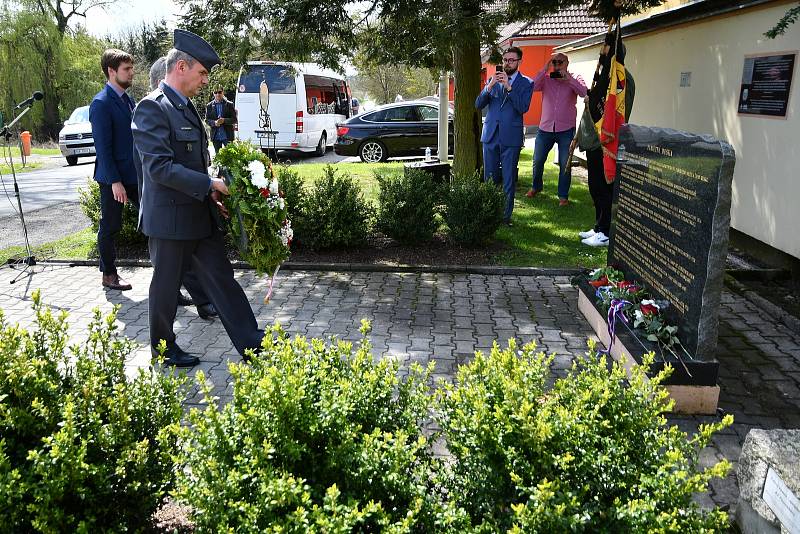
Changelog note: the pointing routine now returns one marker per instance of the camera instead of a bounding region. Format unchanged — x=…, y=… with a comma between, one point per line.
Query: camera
x=556, y=74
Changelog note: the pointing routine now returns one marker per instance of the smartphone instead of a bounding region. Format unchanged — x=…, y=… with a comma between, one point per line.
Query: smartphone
x=556, y=74
x=498, y=68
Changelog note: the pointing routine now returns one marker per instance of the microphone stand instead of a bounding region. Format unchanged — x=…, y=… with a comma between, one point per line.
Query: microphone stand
x=29, y=260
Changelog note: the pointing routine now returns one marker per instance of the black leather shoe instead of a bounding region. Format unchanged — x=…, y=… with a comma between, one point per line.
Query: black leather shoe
x=175, y=356
x=207, y=311
x=183, y=300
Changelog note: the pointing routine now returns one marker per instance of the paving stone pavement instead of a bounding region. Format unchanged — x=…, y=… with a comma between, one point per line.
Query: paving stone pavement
x=444, y=318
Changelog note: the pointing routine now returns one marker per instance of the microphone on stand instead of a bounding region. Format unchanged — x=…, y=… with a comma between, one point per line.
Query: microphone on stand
x=37, y=95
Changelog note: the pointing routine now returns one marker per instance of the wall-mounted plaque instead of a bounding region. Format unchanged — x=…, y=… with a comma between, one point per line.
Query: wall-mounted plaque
x=766, y=84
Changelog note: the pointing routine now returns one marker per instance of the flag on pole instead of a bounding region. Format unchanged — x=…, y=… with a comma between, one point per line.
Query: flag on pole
x=613, y=113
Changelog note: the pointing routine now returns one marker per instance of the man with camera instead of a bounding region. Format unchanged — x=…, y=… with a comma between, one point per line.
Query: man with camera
x=560, y=91
x=508, y=95
x=221, y=117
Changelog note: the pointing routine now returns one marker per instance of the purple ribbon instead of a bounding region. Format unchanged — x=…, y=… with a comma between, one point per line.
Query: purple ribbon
x=614, y=311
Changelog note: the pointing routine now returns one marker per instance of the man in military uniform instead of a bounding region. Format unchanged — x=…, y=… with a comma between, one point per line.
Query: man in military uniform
x=178, y=197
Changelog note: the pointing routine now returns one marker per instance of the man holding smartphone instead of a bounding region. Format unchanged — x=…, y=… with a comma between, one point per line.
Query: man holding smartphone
x=508, y=95
x=560, y=91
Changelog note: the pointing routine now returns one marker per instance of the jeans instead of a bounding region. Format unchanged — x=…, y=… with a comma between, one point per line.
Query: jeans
x=544, y=143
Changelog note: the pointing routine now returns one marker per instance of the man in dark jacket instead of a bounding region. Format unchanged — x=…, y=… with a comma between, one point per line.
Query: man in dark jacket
x=221, y=116
x=110, y=115
x=177, y=198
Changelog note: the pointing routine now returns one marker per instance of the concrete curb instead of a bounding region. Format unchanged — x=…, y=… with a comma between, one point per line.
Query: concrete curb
x=368, y=267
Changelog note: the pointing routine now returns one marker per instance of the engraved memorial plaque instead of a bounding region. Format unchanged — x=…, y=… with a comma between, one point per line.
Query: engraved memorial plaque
x=670, y=227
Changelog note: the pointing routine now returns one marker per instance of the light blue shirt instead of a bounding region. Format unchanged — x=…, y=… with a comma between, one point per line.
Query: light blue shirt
x=183, y=99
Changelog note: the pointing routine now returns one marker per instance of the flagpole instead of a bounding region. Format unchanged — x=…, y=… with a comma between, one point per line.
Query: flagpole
x=574, y=142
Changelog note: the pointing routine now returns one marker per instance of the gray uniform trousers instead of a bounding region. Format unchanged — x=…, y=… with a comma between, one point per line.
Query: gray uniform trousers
x=171, y=258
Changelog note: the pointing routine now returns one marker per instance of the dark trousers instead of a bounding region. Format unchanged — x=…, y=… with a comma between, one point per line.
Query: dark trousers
x=601, y=191
x=219, y=144
x=171, y=258
x=111, y=223
x=500, y=164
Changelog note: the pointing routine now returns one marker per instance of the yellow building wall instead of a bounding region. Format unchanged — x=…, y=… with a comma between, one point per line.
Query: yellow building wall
x=766, y=183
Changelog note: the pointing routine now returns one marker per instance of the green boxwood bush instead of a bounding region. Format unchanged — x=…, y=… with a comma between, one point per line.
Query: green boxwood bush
x=407, y=205
x=317, y=438
x=82, y=448
x=335, y=213
x=593, y=453
x=90, y=204
x=291, y=185
x=473, y=209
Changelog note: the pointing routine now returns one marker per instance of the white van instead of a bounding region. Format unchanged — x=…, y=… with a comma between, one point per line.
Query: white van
x=305, y=103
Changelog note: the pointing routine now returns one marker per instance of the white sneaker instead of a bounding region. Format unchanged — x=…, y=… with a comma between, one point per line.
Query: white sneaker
x=587, y=233
x=597, y=240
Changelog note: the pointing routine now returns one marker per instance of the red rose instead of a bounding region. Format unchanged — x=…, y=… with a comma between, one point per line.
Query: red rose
x=264, y=192
x=626, y=285
x=600, y=282
x=648, y=309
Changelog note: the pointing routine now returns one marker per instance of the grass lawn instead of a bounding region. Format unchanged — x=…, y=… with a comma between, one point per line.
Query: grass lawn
x=76, y=246
x=5, y=168
x=543, y=235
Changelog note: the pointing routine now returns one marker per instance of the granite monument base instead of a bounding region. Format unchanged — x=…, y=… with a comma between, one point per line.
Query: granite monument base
x=700, y=397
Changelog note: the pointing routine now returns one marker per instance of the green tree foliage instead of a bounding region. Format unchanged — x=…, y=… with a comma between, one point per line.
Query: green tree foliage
x=383, y=82
x=440, y=34
x=34, y=56
x=789, y=18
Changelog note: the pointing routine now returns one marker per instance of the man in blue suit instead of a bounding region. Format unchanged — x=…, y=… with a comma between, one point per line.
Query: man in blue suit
x=508, y=95
x=110, y=113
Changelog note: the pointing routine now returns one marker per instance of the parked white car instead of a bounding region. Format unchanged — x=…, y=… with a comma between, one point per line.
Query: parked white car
x=75, y=139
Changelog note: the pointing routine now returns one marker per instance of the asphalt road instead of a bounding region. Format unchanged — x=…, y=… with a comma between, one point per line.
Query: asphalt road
x=46, y=187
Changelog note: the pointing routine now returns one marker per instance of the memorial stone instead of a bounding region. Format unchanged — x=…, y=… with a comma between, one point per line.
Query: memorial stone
x=670, y=228
x=768, y=473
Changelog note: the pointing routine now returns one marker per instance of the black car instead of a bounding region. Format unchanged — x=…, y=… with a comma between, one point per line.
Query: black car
x=399, y=129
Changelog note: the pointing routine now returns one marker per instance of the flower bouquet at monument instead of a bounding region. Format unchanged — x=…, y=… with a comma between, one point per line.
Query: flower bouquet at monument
x=258, y=220
x=630, y=303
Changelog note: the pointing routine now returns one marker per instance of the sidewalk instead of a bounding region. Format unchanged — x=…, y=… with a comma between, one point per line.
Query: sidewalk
x=443, y=318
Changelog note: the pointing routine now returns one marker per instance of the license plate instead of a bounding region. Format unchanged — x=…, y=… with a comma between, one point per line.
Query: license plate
x=265, y=134
x=83, y=151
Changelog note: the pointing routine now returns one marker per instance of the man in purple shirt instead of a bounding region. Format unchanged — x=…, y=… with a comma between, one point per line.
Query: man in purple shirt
x=560, y=90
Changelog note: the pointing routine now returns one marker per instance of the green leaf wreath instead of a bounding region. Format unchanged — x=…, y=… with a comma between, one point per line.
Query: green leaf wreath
x=258, y=219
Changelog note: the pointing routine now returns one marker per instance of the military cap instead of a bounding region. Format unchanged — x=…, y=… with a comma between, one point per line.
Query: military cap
x=197, y=47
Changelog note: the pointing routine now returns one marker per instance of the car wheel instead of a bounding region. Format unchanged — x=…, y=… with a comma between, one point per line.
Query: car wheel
x=321, y=145
x=372, y=152
x=72, y=160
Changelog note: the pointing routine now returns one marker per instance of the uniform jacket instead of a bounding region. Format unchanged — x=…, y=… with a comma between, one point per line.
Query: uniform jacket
x=228, y=114
x=111, y=129
x=506, y=110
x=173, y=149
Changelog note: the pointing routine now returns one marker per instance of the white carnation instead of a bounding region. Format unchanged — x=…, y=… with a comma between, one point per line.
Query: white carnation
x=273, y=187
x=257, y=172
x=281, y=203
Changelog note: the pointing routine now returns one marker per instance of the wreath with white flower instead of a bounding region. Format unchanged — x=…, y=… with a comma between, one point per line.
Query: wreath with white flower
x=258, y=219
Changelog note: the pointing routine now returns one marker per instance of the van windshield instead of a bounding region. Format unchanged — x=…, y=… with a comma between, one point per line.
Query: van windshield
x=80, y=114
x=279, y=78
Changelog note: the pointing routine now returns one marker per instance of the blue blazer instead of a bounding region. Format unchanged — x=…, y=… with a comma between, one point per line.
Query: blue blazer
x=113, y=141
x=506, y=110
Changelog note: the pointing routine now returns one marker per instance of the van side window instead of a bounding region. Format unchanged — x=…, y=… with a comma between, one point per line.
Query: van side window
x=325, y=95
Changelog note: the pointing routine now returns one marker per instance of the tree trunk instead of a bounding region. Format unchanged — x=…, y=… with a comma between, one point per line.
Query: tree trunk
x=468, y=153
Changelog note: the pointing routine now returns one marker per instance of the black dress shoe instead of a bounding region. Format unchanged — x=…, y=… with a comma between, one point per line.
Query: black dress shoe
x=508, y=223
x=207, y=311
x=183, y=300
x=175, y=356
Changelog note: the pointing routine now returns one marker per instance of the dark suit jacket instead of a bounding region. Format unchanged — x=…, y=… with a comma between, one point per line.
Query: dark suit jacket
x=228, y=115
x=111, y=128
x=173, y=148
x=506, y=110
